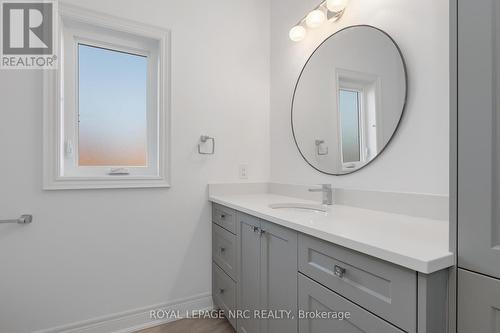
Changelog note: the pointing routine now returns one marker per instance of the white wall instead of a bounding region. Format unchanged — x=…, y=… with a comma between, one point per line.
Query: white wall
x=92, y=253
x=417, y=159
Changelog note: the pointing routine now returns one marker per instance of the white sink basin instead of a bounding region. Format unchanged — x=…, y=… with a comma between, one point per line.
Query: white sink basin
x=299, y=206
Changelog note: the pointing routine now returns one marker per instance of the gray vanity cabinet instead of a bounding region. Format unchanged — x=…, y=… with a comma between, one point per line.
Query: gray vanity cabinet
x=268, y=271
x=276, y=269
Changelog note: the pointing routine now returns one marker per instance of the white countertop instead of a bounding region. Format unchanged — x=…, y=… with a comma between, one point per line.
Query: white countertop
x=420, y=244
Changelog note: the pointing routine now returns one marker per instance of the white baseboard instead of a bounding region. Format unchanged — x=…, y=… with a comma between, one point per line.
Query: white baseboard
x=133, y=320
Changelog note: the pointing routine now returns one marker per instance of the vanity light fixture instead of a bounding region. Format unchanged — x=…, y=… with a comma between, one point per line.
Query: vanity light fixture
x=297, y=33
x=315, y=18
x=328, y=10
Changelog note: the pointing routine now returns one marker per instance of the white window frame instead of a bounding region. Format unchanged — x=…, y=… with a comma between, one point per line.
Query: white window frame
x=80, y=26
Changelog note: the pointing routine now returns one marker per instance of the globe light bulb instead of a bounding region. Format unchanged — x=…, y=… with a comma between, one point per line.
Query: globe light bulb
x=336, y=6
x=297, y=33
x=315, y=18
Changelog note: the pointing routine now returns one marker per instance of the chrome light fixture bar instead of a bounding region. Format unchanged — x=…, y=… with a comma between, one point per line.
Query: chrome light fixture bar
x=328, y=10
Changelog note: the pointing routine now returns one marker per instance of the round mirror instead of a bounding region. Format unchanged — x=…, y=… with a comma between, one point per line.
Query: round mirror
x=349, y=100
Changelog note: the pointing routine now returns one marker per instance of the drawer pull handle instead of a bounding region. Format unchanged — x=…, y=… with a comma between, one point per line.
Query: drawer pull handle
x=339, y=271
x=221, y=291
x=222, y=249
x=222, y=216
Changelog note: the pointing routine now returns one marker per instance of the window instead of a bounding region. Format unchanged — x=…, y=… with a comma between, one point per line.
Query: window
x=112, y=108
x=107, y=114
x=358, y=102
x=349, y=109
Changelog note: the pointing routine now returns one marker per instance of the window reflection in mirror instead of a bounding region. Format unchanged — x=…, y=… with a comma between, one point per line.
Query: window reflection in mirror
x=350, y=129
x=358, y=100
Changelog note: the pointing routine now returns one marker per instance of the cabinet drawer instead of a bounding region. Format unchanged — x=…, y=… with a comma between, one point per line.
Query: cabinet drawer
x=225, y=217
x=385, y=289
x=314, y=297
x=224, y=250
x=224, y=292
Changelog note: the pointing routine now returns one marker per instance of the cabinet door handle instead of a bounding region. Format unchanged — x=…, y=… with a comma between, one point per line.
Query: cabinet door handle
x=262, y=232
x=221, y=291
x=256, y=229
x=222, y=249
x=222, y=216
x=339, y=271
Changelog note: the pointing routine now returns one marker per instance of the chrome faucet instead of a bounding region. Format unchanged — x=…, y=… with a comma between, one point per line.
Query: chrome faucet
x=327, y=191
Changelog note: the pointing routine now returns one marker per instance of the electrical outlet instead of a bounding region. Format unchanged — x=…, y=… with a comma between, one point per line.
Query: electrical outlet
x=243, y=171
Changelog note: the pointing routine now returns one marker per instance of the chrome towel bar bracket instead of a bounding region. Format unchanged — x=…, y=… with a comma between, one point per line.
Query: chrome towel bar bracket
x=205, y=139
x=23, y=219
x=319, y=150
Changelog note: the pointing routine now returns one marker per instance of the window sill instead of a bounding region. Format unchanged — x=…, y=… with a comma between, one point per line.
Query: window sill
x=67, y=183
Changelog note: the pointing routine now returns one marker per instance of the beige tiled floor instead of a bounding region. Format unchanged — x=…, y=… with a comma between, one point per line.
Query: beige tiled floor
x=192, y=326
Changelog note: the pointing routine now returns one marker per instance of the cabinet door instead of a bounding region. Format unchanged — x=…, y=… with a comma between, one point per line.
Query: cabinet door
x=479, y=303
x=478, y=136
x=249, y=263
x=278, y=283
